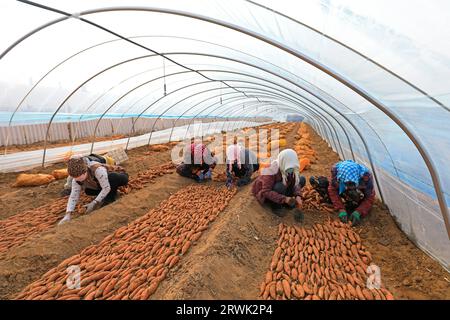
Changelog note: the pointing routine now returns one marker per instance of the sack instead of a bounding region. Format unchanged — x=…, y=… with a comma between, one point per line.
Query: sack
x=158, y=147
x=118, y=155
x=96, y=158
x=31, y=180
x=110, y=160
x=60, y=174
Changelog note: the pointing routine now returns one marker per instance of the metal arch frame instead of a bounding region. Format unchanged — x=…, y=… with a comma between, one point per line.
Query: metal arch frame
x=167, y=109
x=270, y=112
x=367, y=150
x=346, y=82
x=134, y=37
x=128, y=92
x=196, y=40
x=328, y=132
x=216, y=109
x=312, y=110
x=245, y=113
x=95, y=130
x=123, y=62
x=73, y=92
x=249, y=104
x=199, y=17
x=302, y=103
x=117, y=85
x=320, y=119
x=354, y=51
x=259, y=84
x=285, y=88
x=204, y=100
x=309, y=92
x=369, y=157
x=134, y=59
x=266, y=113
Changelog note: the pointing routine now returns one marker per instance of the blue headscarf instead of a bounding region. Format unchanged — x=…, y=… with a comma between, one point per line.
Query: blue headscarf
x=349, y=170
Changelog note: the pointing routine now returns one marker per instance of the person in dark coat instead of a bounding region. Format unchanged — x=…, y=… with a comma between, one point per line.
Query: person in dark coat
x=280, y=185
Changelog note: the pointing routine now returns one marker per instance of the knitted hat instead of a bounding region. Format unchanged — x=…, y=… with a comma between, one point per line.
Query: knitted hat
x=76, y=167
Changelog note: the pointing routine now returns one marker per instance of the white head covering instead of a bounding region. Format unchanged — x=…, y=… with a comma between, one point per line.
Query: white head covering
x=234, y=154
x=288, y=159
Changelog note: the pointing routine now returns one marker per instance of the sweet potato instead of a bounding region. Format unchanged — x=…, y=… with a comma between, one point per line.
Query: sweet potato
x=272, y=290
x=266, y=293
x=279, y=288
x=286, y=288
x=185, y=247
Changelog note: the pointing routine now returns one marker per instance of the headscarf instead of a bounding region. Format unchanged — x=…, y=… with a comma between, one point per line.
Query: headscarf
x=347, y=171
x=234, y=153
x=197, y=153
x=76, y=166
x=288, y=160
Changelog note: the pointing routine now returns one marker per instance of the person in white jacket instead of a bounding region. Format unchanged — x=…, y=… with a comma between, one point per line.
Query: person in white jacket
x=95, y=179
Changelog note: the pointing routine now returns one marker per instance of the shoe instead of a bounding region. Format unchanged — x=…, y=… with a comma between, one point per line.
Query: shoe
x=65, y=192
x=105, y=202
x=299, y=216
x=280, y=212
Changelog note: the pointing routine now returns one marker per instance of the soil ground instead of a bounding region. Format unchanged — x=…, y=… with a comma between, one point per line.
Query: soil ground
x=231, y=257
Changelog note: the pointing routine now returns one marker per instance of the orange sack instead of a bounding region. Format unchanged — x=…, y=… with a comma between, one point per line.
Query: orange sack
x=158, y=148
x=31, y=180
x=60, y=174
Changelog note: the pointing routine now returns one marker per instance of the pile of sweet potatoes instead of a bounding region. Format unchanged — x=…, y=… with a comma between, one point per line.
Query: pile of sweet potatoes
x=312, y=200
x=303, y=146
x=132, y=262
x=327, y=262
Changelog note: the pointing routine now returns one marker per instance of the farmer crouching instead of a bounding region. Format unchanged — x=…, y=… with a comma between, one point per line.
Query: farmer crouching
x=280, y=184
x=351, y=190
x=87, y=159
x=241, y=163
x=95, y=179
x=198, y=163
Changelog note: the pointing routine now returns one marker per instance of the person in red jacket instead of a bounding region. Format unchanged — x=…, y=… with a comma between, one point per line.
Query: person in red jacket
x=198, y=163
x=351, y=190
x=280, y=184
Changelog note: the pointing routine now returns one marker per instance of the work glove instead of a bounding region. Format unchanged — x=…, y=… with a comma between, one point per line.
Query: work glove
x=290, y=201
x=343, y=216
x=207, y=175
x=355, y=218
x=242, y=182
x=91, y=206
x=201, y=176
x=66, y=218
x=229, y=183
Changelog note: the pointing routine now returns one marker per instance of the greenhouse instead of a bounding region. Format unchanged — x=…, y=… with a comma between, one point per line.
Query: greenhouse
x=135, y=83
